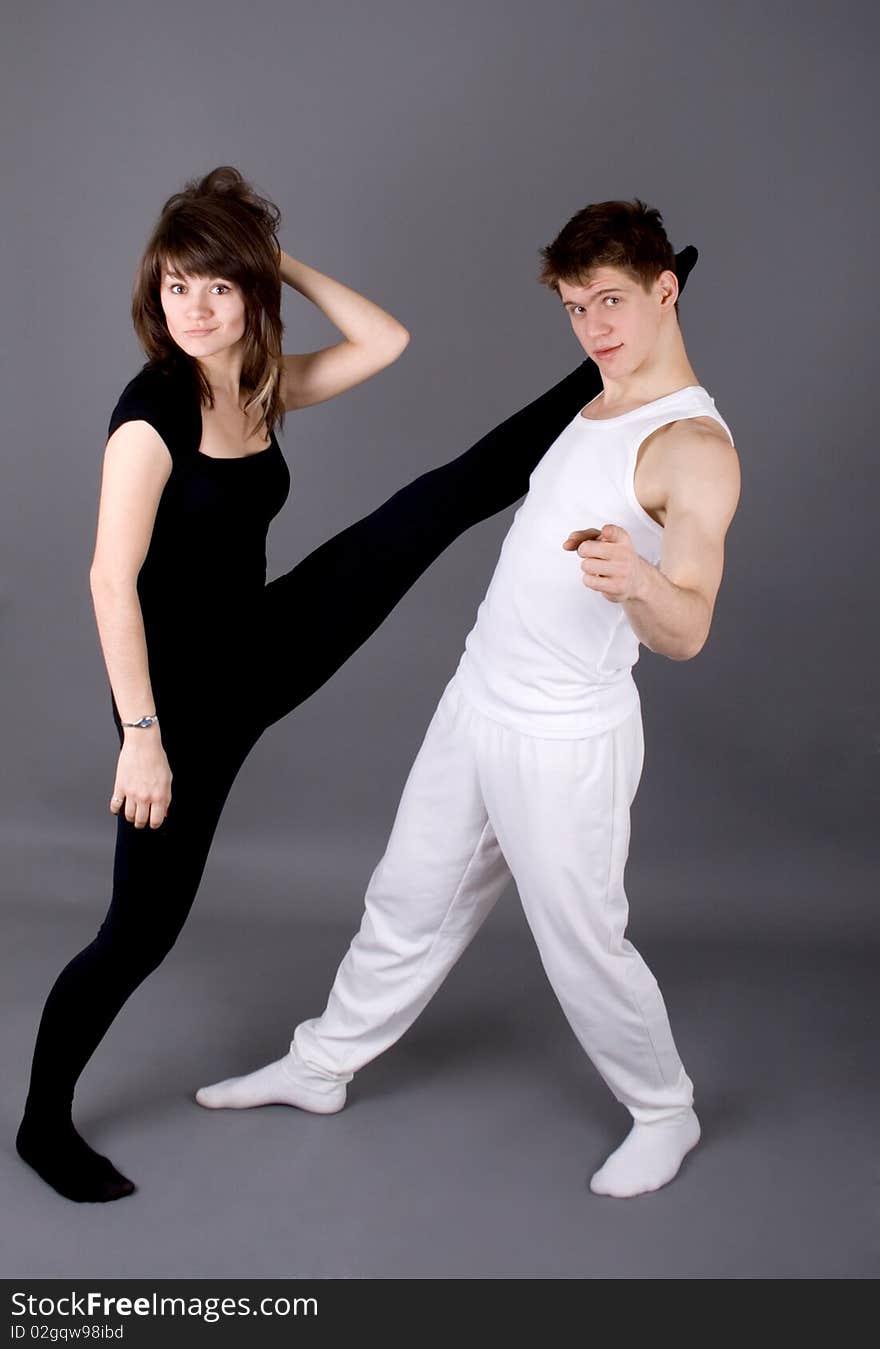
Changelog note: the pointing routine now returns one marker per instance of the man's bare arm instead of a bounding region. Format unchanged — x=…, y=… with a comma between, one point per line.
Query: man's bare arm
x=670, y=607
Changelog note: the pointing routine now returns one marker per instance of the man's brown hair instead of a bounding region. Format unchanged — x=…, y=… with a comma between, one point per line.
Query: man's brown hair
x=624, y=234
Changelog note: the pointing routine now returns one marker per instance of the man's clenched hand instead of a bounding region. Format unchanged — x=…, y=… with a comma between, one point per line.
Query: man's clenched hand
x=609, y=562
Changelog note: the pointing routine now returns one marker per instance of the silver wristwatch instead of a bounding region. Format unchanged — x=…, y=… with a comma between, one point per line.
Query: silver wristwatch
x=143, y=723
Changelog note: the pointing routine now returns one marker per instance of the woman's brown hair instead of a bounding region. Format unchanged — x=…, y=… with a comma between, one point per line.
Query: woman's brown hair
x=625, y=234
x=218, y=226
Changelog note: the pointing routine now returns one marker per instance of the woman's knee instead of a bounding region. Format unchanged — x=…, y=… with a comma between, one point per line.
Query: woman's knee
x=137, y=946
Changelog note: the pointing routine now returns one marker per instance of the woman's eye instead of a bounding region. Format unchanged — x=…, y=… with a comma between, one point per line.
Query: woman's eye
x=178, y=285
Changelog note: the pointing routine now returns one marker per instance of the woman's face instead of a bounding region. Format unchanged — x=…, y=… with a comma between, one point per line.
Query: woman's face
x=205, y=315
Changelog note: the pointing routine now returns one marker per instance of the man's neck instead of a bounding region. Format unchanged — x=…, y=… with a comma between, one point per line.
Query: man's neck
x=622, y=395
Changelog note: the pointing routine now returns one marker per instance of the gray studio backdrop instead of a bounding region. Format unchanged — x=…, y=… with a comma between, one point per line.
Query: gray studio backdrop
x=423, y=154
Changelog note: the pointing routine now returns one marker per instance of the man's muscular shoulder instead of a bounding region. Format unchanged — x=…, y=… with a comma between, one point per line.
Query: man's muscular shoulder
x=687, y=459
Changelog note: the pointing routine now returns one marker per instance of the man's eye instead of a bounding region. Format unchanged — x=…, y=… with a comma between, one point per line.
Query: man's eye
x=615, y=298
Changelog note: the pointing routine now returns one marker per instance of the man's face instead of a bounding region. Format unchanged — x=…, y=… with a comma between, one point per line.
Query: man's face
x=615, y=320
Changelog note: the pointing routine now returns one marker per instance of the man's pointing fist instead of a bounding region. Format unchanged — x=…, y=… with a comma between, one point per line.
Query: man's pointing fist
x=609, y=562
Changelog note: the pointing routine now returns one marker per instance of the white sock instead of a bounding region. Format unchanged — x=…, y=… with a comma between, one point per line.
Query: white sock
x=648, y=1157
x=279, y=1083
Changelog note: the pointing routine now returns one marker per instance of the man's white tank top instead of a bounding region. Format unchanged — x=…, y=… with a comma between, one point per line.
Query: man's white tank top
x=547, y=655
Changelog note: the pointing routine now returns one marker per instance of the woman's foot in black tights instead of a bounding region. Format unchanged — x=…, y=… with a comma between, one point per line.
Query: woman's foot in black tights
x=65, y=1161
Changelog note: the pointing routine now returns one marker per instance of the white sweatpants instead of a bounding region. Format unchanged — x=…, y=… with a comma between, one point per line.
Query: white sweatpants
x=483, y=802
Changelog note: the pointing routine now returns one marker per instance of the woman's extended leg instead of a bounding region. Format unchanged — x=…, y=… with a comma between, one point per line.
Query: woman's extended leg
x=320, y=612
x=155, y=878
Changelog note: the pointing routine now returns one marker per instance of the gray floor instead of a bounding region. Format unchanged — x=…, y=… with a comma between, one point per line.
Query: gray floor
x=464, y=1152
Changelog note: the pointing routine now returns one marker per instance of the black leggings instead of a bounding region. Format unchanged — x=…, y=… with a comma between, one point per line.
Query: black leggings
x=310, y=622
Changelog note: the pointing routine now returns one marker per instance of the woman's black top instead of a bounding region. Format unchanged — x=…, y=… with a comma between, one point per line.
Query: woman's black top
x=205, y=568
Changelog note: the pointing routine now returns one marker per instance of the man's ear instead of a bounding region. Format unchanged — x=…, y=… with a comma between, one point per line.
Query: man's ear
x=667, y=286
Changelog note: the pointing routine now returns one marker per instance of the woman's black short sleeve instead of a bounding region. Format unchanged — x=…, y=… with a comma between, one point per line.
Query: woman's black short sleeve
x=168, y=400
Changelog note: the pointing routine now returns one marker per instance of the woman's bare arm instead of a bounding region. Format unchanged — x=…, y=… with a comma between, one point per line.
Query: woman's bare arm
x=136, y=467
x=372, y=339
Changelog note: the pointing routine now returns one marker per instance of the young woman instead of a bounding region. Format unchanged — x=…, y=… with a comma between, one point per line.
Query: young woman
x=202, y=655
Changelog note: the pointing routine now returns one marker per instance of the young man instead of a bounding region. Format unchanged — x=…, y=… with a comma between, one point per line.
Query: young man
x=534, y=754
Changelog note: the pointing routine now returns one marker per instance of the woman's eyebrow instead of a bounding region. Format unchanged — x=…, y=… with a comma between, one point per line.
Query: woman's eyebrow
x=175, y=276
